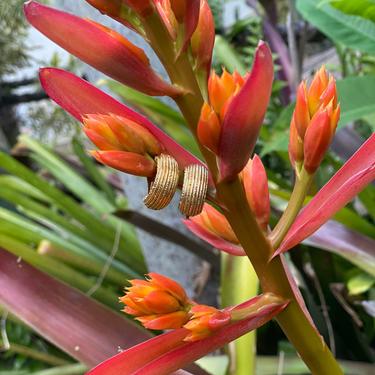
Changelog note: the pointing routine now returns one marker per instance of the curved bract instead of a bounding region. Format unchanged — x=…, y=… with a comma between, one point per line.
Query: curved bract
x=100, y=47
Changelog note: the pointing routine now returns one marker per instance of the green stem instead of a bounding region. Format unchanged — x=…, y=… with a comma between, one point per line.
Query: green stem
x=35, y=354
x=301, y=187
x=239, y=283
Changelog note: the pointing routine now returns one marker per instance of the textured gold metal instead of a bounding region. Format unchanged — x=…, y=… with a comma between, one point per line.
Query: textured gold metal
x=194, y=190
x=164, y=186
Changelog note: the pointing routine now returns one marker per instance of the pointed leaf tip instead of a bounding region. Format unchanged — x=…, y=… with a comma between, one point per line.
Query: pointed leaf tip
x=100, y=47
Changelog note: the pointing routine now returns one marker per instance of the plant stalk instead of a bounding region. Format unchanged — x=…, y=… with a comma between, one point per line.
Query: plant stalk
x=300, y=190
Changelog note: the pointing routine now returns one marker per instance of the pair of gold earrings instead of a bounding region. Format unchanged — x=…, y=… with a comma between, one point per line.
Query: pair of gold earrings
x=164, y=186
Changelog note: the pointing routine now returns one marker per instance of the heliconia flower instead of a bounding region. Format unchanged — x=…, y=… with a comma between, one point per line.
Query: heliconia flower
x=100, y=47
x=255, y=183
x=239, y=105
x=164, y=354
x=124, y=144
x=79, y=98
x=213, y=227
x=205, y=320
x=157, y=302
x=314, y=121
x=203, y=39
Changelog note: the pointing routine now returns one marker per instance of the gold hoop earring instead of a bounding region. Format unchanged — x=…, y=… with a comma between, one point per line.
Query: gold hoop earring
x=194, y=190
x=164, y=186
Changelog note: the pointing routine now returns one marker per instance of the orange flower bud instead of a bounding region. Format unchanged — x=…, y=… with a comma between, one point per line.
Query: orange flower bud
x=314, y=121
x=255, y=183
x=111, y=132
x=205, y=321
x=317, y=140
x=157, y=302
x=208, y=129
x=301, y=113
x=222, y=89
x=127, y=162
x=316, y=90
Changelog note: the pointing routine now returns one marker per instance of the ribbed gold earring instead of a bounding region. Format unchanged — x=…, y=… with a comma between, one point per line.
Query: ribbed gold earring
x=164, y=186
x=194, y=190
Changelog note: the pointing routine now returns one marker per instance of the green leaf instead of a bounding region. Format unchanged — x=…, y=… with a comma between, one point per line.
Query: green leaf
x=360, y=283
x=279, y=138
x=352, y=31
x=357, y=97
x=63, y=172
x=228, y=56
x=58, y=270
x=362, y=8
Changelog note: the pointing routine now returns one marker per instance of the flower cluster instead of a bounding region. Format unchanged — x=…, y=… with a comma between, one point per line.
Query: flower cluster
x=226, y=126
x=314, y=121
x=160, y=303
x=123, y=144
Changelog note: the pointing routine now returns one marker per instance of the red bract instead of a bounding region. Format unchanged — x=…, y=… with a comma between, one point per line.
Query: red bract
x=255, y=183
x=118, y=11
x=169, y=352
x=245, y=114
x=100, y=47
x=79, y=98
x=355, y=174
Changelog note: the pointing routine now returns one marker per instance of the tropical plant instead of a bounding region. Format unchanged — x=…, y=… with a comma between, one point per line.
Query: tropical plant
x=226, y=199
